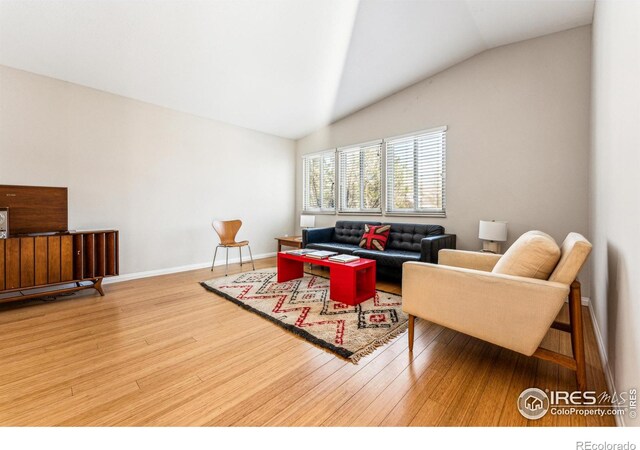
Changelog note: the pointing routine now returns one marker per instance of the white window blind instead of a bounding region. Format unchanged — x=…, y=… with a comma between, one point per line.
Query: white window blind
x=319, y=177
x=360, y=178
x=416, y=173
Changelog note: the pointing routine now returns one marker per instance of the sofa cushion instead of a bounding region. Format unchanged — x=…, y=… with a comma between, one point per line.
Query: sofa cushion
x=388, y=258
x=334, y=247
x=375, y=237
x=350, y=232
x=407, y=236
x=533, y=255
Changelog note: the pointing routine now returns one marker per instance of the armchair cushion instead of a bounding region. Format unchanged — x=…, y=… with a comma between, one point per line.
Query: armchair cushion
x=533, y=255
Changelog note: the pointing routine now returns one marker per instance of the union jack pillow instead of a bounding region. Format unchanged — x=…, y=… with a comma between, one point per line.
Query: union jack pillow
x=375, y=237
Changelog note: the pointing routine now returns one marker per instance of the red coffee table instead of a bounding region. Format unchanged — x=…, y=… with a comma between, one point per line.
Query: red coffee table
x=351, y=283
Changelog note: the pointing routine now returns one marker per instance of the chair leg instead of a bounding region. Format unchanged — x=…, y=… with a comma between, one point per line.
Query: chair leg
x=251, y=256
x=226, y=265
x=577, y=334
x=240, y=250
x=214, y=258
x=412, y=320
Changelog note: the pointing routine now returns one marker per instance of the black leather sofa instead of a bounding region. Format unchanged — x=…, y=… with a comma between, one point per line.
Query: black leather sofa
x=407, y=242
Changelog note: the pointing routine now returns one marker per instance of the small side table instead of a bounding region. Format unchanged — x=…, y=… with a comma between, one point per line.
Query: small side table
x=289, y=241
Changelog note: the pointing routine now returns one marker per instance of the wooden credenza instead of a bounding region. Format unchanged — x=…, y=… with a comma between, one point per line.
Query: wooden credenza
x=61, y=262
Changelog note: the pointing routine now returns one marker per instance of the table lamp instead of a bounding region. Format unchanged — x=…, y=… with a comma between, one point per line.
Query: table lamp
x=307, y=221
x=492, y=233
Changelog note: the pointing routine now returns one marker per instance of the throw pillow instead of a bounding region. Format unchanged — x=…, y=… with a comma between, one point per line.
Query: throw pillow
x=375, y=237
x=534, y=255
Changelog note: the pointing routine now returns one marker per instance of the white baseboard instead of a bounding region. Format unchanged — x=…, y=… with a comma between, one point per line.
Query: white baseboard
x=586, y=301
x=170, y=270
x=604, y=360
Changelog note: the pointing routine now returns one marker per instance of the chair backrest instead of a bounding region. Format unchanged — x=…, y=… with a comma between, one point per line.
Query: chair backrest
x=227, y=230
x=574, y=252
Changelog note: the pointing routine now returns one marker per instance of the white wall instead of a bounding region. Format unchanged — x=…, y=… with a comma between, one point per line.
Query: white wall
x=517, y=142
x=157, y=175
x=615, y=188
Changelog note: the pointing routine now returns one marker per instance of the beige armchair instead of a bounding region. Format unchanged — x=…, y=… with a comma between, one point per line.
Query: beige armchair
x=466, y=292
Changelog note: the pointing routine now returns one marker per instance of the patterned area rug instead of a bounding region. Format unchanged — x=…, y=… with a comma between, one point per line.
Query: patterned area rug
x=303, y=307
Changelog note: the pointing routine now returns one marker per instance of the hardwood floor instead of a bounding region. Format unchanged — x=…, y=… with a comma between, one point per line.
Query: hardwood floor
x=163, y=351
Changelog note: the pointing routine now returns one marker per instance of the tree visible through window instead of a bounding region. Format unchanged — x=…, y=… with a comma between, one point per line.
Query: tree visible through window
x=360, y=181
x=416, y=173
x=319, y=182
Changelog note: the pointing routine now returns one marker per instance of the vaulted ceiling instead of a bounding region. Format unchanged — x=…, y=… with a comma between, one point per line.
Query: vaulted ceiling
x=284, y=67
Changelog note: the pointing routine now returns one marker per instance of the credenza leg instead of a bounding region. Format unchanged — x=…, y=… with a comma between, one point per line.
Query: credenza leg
x=97, y=285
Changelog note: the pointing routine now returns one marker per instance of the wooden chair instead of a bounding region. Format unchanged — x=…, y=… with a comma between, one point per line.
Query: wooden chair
x=463, y=293
x=227, y=231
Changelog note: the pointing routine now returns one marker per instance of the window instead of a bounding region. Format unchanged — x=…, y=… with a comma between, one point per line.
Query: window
x=319, y=174
x=414, y=177
x=360, y=184
x=416, y=173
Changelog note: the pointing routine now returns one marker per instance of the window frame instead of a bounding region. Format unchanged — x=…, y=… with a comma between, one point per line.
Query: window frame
x=388, y=202
x=340, y=210
x=320, y=155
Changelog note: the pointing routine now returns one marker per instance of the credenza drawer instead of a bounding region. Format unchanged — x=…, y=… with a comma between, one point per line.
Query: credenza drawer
x=12, y=263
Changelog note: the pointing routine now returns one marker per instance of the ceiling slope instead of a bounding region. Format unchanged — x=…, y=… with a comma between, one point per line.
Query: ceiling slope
x=284, y=67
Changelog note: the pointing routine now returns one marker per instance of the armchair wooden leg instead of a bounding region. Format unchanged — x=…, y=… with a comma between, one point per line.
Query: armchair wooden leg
x=412, y=320
x=577, y=334
x=578, y=362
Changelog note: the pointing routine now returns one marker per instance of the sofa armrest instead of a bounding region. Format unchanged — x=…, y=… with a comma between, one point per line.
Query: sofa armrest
x=316, y=235
x=468, y=259
x=513, y=312
x=430, y=246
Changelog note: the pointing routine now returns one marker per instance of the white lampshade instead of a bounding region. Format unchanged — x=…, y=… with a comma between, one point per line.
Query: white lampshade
x=493, y=231
x=307, y=221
